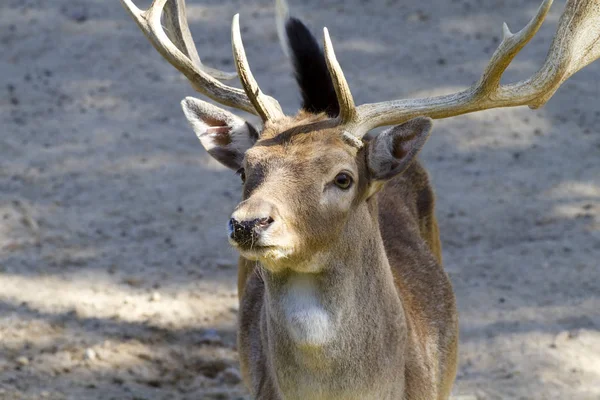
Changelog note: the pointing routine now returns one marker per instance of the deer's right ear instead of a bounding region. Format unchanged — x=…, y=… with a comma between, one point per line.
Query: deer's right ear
x=225, y=136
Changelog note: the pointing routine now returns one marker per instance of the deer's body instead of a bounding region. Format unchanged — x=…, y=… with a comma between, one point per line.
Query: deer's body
x=342, y=291
x=397, y=318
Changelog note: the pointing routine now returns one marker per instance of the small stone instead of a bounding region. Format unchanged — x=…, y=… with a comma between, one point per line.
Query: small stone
x=561, y=337
x=224, y=264
x=44, y=394
x=573, y=334
x=76, y=12
x=90, y=354
x=22, y=360
x=418, y=16
x=155, y=296
x=231, y=376
x=133, y=281
x=211, y=336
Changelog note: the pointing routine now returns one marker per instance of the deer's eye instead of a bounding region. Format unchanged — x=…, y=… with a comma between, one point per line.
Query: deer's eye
x=242, y=173
x=343, y=181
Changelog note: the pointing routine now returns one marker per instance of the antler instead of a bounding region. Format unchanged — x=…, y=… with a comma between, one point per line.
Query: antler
x=342, y=90
x=177, y=47
x=267, y=107
x=575, y=45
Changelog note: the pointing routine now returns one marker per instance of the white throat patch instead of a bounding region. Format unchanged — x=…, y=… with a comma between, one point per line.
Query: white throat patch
x=306, y=319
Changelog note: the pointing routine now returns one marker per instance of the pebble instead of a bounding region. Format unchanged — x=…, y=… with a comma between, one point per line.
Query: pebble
x=210, y=336
x=76, y=12
x=231, y=376
x=90, y=354
x=573, y=334
x=22, y=360
x=133, y=281
x=566, y=335
x=224, y=264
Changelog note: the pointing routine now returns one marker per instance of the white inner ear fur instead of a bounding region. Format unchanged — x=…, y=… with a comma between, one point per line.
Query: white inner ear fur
x=240, y=139
x=224, y=135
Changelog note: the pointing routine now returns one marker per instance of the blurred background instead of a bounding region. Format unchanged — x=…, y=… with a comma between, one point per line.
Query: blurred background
x=116, y=279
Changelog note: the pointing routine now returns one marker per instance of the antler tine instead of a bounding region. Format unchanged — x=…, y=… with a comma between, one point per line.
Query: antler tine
x=178, y=48
x=267, y=107
x=575, y=45
x=342, y=90
x=508, y=49
x=177, y=29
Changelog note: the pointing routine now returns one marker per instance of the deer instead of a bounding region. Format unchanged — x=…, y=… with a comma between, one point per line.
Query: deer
x=341, y=286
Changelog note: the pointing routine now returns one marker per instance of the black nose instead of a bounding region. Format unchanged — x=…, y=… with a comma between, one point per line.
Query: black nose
x=246, y=233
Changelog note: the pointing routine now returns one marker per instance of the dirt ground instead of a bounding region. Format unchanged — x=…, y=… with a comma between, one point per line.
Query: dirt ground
x=116, y=280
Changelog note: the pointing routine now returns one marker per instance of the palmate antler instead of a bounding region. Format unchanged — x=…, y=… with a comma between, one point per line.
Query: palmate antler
x=177, y=47
x=575, y=45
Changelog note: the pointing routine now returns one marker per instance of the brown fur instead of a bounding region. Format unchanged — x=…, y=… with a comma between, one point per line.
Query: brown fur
x=399, y=335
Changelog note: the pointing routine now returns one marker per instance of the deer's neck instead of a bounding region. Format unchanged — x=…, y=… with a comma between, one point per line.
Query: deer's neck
x=346, y=321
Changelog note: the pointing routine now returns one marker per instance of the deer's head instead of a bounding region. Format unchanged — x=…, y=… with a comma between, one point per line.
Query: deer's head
x=307, y=177
x=303, y=178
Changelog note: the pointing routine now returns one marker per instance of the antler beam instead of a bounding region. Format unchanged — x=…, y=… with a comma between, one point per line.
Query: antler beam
x=178, y=48
x=575, y=45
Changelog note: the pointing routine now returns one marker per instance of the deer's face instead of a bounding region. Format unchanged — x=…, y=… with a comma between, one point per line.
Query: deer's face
x=297, y=195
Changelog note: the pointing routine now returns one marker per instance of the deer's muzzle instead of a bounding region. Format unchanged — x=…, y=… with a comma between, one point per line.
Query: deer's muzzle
x=247, y=233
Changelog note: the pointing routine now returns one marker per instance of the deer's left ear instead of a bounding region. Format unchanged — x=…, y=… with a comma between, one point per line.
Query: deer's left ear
x=392, y=151
x=225, y=136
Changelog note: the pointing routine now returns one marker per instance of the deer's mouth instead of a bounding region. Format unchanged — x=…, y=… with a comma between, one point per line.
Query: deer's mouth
x=260, y=252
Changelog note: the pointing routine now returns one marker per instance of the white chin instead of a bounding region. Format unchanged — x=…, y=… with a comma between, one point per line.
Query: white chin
x=264, y=253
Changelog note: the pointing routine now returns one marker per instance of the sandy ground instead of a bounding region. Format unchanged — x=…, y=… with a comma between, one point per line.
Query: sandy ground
x=116, y=280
